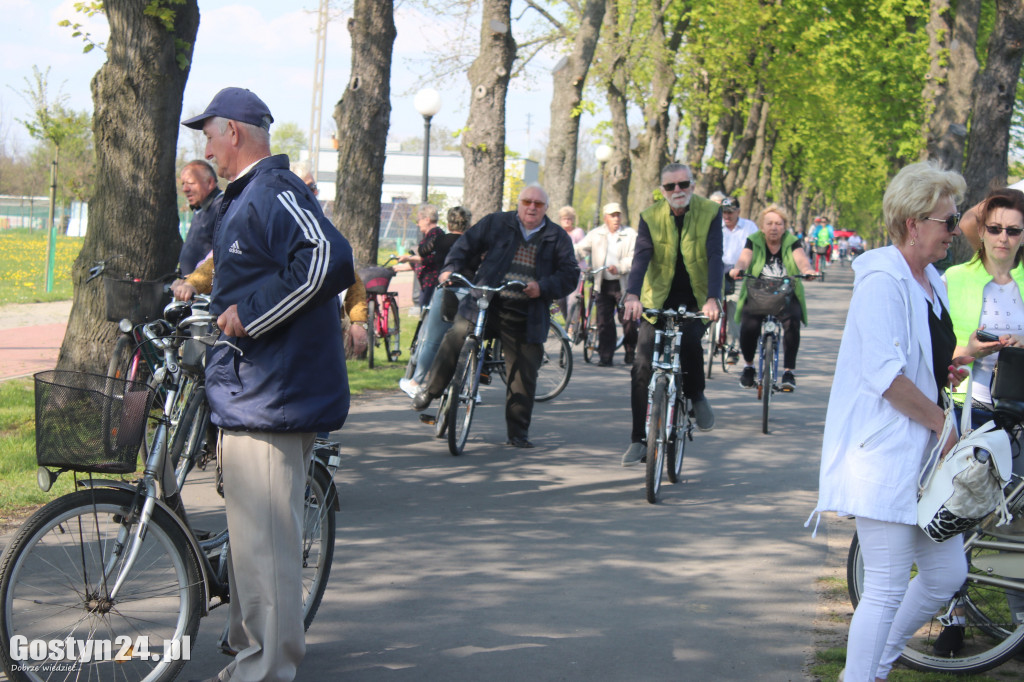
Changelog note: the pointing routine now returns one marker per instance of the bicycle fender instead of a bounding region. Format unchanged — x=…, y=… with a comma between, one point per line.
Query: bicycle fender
x=333, y=491
x=128, y=487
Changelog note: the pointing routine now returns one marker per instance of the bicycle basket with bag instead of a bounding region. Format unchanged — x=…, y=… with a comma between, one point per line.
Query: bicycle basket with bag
x=136, y=300
x=376, y=278
x=89, y=422
x=767, y=296
x=1008, y=383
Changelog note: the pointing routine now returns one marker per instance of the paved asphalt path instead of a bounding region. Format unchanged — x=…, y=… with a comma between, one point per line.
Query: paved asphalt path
x=549, y=564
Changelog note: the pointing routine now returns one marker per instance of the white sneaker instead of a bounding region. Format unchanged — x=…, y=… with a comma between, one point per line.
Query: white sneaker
x=408, y=386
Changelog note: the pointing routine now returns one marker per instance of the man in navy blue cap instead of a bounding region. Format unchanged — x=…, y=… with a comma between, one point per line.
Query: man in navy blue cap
x=280, y=265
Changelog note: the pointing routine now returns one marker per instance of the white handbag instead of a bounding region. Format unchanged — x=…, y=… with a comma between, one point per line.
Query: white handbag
x=955, y=492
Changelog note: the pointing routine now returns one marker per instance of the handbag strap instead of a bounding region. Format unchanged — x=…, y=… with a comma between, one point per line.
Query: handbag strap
x=965, y=413
x=928, y=471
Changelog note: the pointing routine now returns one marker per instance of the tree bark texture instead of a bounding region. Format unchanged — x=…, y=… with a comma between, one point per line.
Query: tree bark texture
x=713, y=178
x=949, y=84
x=750, y=201
x=618, y=170
x=564, y=132
x=650, y=154
x=362, y=116
x=483, y=142
x=989, y=138
x=744, y=146
x=133, y=217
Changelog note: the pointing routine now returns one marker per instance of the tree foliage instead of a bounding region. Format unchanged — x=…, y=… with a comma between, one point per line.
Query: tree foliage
x=288, y=138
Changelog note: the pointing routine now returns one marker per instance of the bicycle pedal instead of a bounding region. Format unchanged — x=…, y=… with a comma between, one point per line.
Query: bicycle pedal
x=428, y=419
x=485, y=379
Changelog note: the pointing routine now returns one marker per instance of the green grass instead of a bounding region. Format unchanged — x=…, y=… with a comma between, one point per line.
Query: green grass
x=23, y=266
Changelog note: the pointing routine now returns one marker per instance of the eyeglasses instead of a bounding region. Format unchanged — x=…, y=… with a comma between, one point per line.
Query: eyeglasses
x=670, y=186
x=951, y=222
x=532, y=202
x=1010, y=231
x=311, y=186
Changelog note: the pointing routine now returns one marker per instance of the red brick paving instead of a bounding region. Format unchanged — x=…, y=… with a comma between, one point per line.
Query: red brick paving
x=26, y=350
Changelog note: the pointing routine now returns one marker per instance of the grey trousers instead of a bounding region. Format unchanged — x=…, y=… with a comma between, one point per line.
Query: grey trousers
x=264, y=486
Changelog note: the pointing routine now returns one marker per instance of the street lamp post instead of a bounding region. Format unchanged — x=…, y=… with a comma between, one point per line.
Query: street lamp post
x=428, y=103
x=603, y=153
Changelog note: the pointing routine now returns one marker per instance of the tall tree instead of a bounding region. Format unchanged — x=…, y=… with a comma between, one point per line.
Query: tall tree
x=568, y=80
x=363, y=113
x=136, y=116
x=949, y=83
x=483, y=140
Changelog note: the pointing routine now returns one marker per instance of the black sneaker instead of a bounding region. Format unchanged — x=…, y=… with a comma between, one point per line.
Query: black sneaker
x=788, y=382
x=733, y=357
x=748, y=377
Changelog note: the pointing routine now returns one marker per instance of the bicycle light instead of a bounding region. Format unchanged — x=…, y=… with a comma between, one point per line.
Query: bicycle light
x=125, y=325
x=45, y=479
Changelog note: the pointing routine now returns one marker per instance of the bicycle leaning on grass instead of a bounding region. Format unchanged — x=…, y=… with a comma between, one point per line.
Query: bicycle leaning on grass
x=382, y=323
x=114, y=563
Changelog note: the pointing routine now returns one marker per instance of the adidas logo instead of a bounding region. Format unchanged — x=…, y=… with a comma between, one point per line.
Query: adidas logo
x=234, y=248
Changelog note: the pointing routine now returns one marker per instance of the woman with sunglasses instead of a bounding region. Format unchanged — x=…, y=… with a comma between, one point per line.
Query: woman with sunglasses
x=884, y=418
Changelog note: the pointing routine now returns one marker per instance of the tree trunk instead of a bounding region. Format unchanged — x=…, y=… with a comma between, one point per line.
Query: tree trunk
x=618, y=170
x=714, y=177
x=568, y=82
x=363, y=113
x=133, y=213
x=989, y=139
x=742, y=149
x=749, y=202
x=650, y=154
x=949, y=83
x=483, y=142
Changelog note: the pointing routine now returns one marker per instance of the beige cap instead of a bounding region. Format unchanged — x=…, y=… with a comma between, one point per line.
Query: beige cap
x=612, y=208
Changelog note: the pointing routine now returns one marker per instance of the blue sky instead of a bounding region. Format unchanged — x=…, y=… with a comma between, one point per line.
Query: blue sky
x=266, y=46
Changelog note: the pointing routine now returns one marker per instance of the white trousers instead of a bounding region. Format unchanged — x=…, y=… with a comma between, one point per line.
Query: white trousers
x=889, y=611
x=264, y=487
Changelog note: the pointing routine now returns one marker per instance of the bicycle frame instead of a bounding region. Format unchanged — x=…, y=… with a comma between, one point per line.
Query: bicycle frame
x=769, y=328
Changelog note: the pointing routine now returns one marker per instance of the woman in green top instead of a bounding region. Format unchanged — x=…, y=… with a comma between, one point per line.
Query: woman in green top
x=772, y=252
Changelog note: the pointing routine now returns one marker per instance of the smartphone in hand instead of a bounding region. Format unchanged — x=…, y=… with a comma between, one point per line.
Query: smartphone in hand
x=986, y=337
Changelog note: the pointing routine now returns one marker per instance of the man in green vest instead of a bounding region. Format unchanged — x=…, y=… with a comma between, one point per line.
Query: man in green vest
x=677, y=262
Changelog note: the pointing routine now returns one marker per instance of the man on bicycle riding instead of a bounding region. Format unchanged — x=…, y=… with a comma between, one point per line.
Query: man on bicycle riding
x=735, y=231
x=677, y=262
x=280, y=266
x=519, y=245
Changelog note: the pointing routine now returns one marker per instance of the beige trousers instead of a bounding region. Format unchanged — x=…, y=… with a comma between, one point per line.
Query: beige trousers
x=264, y=486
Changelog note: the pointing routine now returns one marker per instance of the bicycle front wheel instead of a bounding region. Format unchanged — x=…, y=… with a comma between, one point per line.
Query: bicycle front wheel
x=318, y=528
x=371, y=329
x=992, y=635
x=555, y=364
x=463, y=400
x=677, y=442
x=190, y=436
x=712, y=345
x=392, y=339
x=53, y=586
x=656, y=439
x=767, y=380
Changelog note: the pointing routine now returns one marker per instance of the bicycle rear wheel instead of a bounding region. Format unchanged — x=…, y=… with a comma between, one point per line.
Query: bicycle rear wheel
x=371, y=329
x=992, y=635
x=189, y=437
x=656, y=439
x=681, y=431
x=441, y=420
x=590, y=332
x=52, y=585
x=555, y=364
x=392, y=339
x=318, y=529
x=462, y=403
x=712, y=345
x=767, y=380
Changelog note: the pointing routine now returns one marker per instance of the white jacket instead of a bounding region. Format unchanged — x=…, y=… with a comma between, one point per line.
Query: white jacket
x=595, y=245
x=871, y=454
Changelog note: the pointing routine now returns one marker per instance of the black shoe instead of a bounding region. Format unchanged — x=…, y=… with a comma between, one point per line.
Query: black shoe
x=629, y=358
x=950, y=641
x=748, y=377
x=733, y=358
x=422, y=401
x=519, y=442
x=605, y=363
x=788, y=382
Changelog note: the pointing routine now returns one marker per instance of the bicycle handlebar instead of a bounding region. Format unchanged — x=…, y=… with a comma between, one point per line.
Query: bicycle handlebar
x=481, y=287
x=681, y=313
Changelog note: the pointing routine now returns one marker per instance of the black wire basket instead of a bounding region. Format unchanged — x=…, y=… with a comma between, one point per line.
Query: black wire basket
x=136, y=300
x=376, y=278
x=89, y=422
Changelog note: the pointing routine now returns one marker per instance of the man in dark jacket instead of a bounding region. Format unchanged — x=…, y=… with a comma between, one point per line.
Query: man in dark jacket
x=199, y=185
x=514, y=245
x=280, y=267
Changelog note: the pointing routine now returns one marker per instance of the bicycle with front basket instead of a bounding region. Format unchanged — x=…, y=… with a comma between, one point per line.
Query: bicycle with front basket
x=113, y=561
x=381, y=312
x=670, y=418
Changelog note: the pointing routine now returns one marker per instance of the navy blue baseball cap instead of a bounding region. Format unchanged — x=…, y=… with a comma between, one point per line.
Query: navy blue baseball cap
x=237, y=104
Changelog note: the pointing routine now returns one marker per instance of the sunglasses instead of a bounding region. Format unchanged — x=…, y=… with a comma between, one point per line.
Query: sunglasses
x=951, y=222
x=670, y=186
x=311, y=186
x=1010, y=231
x=532, y=202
